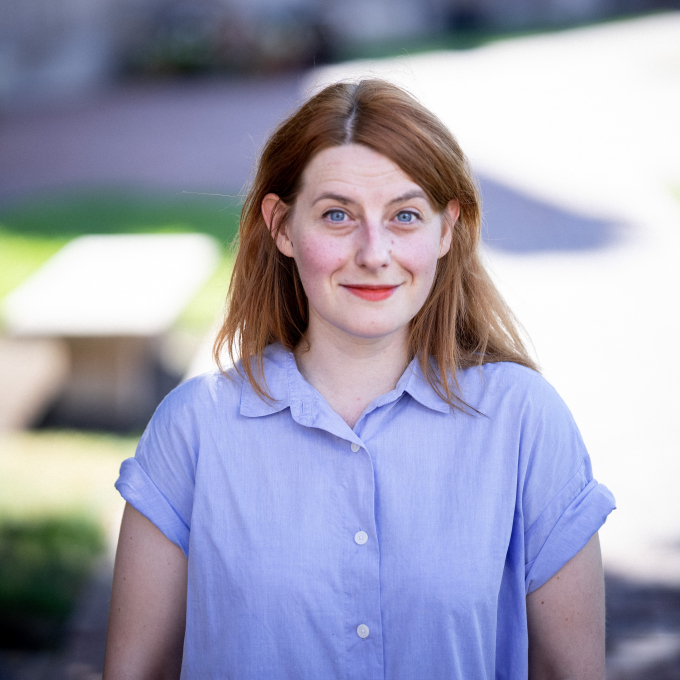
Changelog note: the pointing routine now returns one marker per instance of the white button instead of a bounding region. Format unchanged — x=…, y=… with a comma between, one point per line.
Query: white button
x=355, y=447
x=360, y=537
x=362, y=631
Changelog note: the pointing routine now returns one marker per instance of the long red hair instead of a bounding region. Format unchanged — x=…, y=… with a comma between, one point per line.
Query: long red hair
x=464, y=321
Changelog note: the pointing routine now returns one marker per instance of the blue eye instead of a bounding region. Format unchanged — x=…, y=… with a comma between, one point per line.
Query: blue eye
x=336, y=215
x=406, y=217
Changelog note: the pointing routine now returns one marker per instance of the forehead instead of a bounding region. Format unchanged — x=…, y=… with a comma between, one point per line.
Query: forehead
x=354, y=167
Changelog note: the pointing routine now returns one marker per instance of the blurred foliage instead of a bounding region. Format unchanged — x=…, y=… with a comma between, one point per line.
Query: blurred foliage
x=43, y=564
x=20, y=256
x=206, y=305
x=57, y=504
x=463, y=39
x=187, y=37
x=465, y=30
x=64, y=216
x=32, y=230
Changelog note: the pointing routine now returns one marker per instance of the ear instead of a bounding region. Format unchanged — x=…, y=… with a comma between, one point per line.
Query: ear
x=449, y=219
x=278, y=229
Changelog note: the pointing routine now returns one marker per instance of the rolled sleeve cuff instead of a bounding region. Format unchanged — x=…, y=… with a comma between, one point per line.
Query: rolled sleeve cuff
x=574, y=528
x=138, y=489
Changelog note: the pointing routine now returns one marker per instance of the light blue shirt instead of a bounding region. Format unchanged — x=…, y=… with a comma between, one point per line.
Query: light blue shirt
x=403, y=548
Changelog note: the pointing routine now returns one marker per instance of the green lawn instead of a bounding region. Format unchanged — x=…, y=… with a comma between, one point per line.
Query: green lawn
x=32, y=230
x=58, y=511
x=21, y=255
x=65, y=215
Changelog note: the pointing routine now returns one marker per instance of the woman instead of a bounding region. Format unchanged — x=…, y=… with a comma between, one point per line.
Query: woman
x=386, y=488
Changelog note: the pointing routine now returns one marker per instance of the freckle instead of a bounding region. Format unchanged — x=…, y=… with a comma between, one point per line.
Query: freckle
x=566, y=619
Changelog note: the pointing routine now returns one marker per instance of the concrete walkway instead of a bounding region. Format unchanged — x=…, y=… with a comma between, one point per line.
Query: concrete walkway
x=197, y=135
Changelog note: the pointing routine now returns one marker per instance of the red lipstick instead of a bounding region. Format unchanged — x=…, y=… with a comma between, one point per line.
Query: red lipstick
x=372, y=293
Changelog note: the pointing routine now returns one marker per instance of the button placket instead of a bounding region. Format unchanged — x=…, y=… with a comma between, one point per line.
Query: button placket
x=362, y=571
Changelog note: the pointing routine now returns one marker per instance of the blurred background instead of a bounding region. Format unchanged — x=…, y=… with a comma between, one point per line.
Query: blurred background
x=128, y=132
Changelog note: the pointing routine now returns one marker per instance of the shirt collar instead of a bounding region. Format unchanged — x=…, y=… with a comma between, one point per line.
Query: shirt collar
x=416, y=384
x=275, y=360
x=290, y=390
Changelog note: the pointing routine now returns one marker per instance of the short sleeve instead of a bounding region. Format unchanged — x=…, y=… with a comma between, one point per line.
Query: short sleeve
x=562, y=505
x=159, y=480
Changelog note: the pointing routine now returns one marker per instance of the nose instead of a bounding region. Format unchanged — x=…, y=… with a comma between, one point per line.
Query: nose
x=375, y=246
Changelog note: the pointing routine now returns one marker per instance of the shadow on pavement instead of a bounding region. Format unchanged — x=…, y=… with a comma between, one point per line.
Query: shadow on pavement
x=643, y=630
x=516, y=223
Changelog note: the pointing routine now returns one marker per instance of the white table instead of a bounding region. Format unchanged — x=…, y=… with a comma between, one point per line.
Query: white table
x=111, y=298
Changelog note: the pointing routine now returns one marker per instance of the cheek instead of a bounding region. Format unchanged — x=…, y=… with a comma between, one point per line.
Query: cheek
x=317, y=258
x=419, y=256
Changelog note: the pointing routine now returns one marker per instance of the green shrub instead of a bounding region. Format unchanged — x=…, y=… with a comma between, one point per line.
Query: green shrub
x=43, y=565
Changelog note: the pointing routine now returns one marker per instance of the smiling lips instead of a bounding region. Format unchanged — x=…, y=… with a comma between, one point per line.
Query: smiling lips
x=372, y=293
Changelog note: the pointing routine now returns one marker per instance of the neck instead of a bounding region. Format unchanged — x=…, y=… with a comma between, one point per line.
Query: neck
x=351, y=372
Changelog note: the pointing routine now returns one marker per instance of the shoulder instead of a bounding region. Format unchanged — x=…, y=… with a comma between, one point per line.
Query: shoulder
x=504, y=383
x=203, y=395
x=188, y=415
x=504, y=372
x=229, y=394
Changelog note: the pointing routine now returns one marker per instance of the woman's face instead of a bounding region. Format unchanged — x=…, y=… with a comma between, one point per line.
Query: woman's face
x=365, y=240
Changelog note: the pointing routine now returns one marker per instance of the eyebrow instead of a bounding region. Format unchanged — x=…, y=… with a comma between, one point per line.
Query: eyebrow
x=333, y=197
x=417, y=193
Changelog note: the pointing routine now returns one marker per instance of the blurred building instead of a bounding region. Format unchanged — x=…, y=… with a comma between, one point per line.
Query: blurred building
x=50, y=47
x=60, y=47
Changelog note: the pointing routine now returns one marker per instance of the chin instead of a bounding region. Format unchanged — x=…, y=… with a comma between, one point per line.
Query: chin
x=372, y=331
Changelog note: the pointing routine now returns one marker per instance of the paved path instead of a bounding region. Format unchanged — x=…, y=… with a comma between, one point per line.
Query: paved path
x=198, y=135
